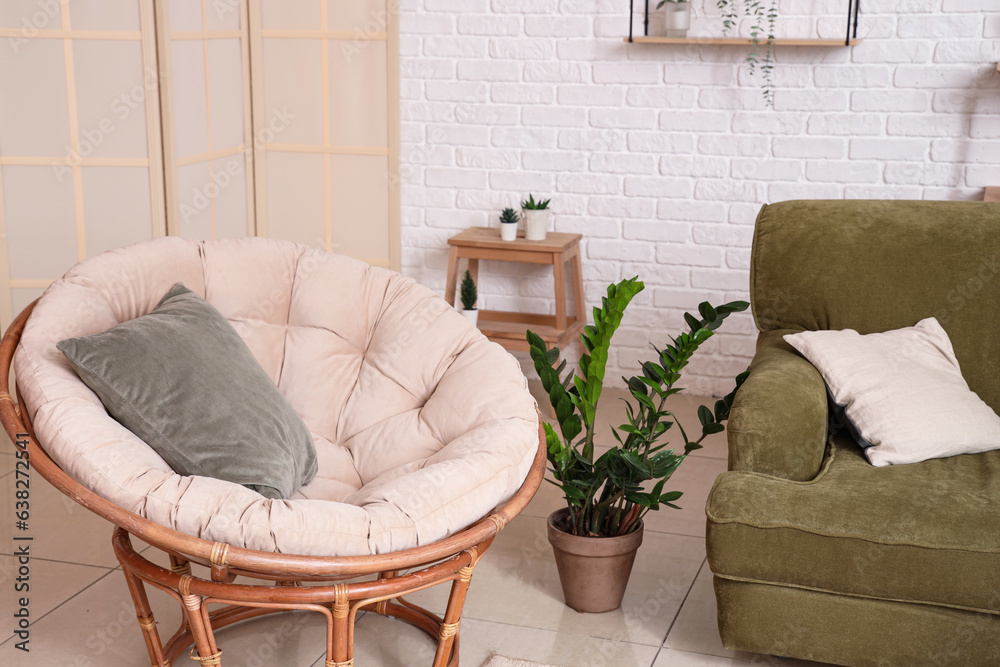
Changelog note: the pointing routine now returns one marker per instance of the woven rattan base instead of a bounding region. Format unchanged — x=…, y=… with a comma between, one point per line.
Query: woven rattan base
x=337, y=602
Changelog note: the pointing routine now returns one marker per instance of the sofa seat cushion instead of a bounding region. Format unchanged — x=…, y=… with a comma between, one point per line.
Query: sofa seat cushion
x=421, y=425
x=926, y=532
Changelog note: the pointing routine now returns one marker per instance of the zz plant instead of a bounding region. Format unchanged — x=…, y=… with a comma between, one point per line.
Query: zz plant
x=609, y=496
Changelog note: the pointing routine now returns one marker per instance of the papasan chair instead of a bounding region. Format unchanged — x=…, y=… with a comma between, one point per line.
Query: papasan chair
x=426, y=440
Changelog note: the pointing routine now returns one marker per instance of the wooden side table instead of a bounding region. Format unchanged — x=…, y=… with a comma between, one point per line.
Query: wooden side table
x=508, y=328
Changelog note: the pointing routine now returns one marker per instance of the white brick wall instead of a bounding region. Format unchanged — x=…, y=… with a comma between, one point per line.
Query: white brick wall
x=662, y=155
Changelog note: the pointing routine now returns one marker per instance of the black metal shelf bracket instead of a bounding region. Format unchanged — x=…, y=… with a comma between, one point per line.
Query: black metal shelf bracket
x=631, y=13
x=853, y=7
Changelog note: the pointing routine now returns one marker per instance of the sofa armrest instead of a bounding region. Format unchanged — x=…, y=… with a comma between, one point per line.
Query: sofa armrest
x=779, y=419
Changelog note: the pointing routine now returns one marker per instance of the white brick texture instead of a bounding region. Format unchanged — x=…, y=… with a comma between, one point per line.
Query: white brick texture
x=661, y=156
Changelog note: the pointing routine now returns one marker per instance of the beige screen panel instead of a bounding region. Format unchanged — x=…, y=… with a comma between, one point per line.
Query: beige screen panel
x=331, y=69
x=295, y=196
x=80, y=160
x=40, y=210
x=207, y=124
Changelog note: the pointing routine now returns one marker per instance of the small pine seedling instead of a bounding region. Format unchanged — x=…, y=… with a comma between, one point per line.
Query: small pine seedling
x=530, y=204
x=509, y=215
x=469, y=294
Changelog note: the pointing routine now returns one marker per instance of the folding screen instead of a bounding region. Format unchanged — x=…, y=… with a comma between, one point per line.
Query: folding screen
x=207, y=126
x=80, y=161
x=121, y=120
x=329, y=75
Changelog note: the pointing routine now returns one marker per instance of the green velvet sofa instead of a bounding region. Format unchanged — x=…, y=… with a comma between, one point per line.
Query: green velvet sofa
x=816, y=553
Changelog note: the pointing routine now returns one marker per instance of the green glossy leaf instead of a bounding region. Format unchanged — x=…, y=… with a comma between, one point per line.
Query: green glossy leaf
x=652, y=371
x=708, y=313
x=644, y=399
x=705, y=415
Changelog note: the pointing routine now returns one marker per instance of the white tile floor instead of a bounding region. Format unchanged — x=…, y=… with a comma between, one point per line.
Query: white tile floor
x=82, y=614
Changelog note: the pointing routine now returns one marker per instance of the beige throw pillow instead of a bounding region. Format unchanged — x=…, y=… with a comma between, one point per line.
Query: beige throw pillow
x=902, y=392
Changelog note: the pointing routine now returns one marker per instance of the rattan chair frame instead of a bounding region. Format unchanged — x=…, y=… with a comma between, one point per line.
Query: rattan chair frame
x=338, y=595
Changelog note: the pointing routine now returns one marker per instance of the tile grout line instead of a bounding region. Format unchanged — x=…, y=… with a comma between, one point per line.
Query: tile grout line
x=559, y=632
x=79, y=592
x=109, y=568
x=683, y=602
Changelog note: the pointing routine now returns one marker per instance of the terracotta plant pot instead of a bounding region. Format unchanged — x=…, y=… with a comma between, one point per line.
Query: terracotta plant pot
x=594, y=571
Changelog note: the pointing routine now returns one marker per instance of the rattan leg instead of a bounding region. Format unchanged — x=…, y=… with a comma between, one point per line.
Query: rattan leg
x=146, y=621
x=179, y=565
x=197, y=618
x=343, y=635
x=453, y=616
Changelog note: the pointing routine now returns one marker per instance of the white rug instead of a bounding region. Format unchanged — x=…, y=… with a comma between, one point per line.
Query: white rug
x=496, y=660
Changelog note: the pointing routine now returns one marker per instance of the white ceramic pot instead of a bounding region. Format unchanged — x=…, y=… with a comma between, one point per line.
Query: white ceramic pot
x=471, y=315
x=508, y=231
x=536, y=224
x=677, y=18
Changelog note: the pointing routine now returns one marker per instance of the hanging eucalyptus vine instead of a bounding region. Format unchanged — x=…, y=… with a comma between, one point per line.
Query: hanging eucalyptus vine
x=763, y=17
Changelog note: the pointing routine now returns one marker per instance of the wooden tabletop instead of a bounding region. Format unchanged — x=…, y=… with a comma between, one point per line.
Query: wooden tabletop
x=489, y=237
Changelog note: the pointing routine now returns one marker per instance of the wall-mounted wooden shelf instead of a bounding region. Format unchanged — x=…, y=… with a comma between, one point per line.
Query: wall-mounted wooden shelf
x=850, y=38
x=742, y=41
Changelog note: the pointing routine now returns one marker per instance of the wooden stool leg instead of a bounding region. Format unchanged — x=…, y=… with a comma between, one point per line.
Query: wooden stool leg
x=453, y=616
x=449, y=288
x=201, y=629
x=578, y=300
x=559, y=269
x=146, y=621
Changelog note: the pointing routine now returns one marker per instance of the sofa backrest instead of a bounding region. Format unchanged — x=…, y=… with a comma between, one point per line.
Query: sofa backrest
x=878, y=265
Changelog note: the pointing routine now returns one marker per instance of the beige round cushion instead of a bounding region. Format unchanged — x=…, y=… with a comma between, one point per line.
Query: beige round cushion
x=421, y=424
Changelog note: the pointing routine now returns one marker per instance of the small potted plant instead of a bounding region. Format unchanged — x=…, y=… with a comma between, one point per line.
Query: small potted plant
x=676, y=17
x=508, y=224
x=536, y=216
x=469, y=296
x=596, y=535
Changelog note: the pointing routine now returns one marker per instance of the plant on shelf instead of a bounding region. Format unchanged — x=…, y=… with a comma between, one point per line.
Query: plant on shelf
x=508, y=224
x=530, y=204
x=536, y=216
x=763, y=18
x=469, y=296
x=608, y=495
x=676, y=17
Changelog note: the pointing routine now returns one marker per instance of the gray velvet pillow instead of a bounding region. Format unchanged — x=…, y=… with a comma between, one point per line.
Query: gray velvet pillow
x=184, y=381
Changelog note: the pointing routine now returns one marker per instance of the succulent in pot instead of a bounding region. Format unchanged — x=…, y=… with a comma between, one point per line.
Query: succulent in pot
x=596, y=534
x=536, y=216
x=508, y=224
x=469, y=296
